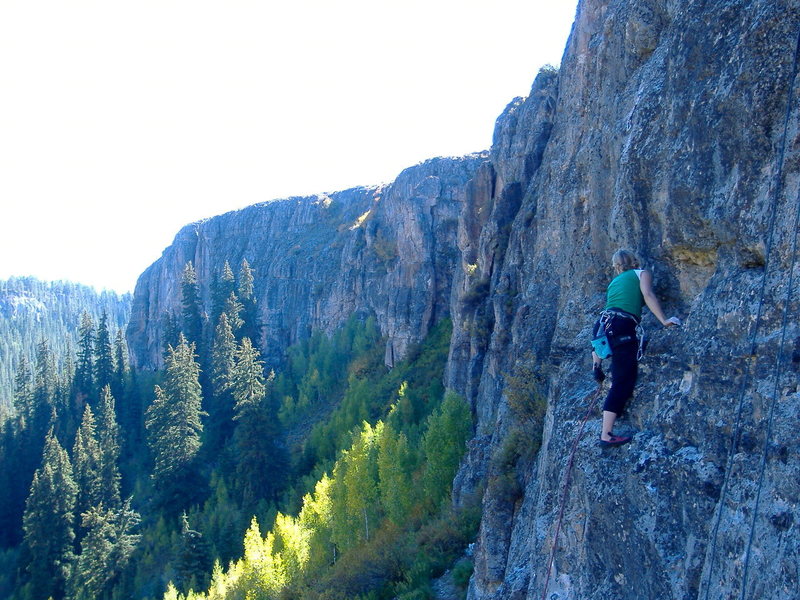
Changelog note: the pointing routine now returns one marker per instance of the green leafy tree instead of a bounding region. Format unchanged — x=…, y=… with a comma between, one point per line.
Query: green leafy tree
x=395, y=469
x=354, y=493
x=448, y=429
x=315, y=517
x=48, y=523
x=174, y=427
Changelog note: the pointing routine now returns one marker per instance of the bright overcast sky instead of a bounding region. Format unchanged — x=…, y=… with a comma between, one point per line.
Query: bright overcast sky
x=120, y=122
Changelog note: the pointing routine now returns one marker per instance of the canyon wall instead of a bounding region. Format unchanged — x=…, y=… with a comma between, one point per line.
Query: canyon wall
x=671, y=128
x=387, y=251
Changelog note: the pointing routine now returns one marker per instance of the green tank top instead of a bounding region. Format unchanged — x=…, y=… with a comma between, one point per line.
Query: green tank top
x=625, y=294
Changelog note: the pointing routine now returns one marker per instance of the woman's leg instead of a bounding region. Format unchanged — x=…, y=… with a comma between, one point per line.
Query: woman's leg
x=624, y=370
x=608, y=424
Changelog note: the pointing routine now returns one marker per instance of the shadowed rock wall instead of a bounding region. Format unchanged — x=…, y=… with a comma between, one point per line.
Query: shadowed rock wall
x=672, y=129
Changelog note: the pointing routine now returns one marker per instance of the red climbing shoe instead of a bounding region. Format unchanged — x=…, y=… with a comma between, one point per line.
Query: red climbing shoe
x=616, y=440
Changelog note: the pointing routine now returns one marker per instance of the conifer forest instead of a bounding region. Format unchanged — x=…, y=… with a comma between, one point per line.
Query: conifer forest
x=326, y=476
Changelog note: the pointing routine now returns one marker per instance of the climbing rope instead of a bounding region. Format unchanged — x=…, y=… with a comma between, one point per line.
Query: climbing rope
x=754, y=344
x=779, y=363
x=566, y=486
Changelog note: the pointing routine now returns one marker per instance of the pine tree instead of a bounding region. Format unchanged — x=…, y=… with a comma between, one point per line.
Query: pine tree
x=174, y=426
x=119, y=383
x=223, y=356
x=48, y=523
x=86, y=460
x=84, y=369
x=260, y=463
x=12, y=486
x=108, y=437
x=246, y=293
x=64, y=413
x=233, y=310
x=23, y=393
x=66, y=384
x=105, y=550
x=246, y=289
x=129, y=412
x=104, y=353
x=220, y=405
x=44, y=399
x=194, y=562
x=158, y=421
x=192, y=311
x=22, y=450
x=170, y=331
x=222, y=287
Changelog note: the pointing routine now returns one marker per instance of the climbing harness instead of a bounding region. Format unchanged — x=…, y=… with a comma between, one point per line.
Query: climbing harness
x=601, y=341
x=600, y=344
x=566, y=486
x=779, y=360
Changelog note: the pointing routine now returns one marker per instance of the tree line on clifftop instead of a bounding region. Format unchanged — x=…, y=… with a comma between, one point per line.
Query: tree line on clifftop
x=326, y=476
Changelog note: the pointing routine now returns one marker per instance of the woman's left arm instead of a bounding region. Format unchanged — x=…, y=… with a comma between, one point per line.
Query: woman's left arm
x=646, y=285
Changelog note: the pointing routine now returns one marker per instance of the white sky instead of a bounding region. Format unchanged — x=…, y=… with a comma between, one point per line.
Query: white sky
x=120, y=122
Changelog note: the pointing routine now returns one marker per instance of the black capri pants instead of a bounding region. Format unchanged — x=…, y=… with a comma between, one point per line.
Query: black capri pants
x=624, y=366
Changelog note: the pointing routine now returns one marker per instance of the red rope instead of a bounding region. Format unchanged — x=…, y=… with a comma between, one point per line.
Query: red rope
x=566, y=486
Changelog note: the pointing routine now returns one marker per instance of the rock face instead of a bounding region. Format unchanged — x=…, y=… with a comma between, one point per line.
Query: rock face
x=672, y=128
x=388, y=251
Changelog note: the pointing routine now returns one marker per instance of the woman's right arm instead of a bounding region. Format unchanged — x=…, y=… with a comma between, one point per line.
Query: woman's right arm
x=646, y=285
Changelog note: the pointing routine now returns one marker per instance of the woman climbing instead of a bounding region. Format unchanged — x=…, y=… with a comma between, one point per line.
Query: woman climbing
x=631, y=289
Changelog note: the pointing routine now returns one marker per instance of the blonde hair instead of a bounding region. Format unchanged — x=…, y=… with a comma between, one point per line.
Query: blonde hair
x=624, y=260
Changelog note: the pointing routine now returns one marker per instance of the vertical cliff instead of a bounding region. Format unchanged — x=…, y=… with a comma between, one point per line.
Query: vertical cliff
x=387, y=251
x=672, y=129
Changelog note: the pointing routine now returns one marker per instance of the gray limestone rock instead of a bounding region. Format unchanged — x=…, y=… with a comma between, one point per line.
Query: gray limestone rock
x=387, y=251
x=672, y=128
x=674, y=133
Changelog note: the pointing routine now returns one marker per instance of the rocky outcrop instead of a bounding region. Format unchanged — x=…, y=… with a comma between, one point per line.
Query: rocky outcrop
x=386, y=251
x=672, y=129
